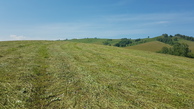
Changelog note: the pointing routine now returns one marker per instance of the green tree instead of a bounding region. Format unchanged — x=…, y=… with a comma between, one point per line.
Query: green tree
x=164, y=50
x=123, y=43
x=165, y=35
x=181, y=49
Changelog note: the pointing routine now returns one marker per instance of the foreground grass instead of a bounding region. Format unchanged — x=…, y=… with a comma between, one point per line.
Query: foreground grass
x=55, y=74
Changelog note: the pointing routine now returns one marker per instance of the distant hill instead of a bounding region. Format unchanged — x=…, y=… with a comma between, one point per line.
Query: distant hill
x=146, y=44
x=96, y=41
x=153, y=46
x=111, y=41
x=62, y=75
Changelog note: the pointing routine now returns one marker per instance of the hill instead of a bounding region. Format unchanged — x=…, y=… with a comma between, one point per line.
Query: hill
x=145, y=44
x=61, y=75
x=153, y=46
x=111, y=42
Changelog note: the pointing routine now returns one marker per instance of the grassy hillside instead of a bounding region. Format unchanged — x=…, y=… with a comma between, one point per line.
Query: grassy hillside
x=62, y=75
x=149, y=46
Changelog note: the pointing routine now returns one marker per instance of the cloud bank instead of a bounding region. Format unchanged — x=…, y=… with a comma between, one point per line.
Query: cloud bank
x=15, y=37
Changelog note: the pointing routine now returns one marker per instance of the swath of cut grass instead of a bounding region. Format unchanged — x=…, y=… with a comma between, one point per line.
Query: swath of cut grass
x=62, y=75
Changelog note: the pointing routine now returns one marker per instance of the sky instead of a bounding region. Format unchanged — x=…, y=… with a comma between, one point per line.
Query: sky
x=68, y=19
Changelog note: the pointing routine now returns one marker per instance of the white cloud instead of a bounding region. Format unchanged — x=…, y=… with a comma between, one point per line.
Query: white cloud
x=15, y=37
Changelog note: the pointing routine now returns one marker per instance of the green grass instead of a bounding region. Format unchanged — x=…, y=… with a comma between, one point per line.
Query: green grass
x=153, y=46
x=62, y=75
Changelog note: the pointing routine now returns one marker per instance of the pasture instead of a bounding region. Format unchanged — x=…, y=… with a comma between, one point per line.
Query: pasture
x=66, y=75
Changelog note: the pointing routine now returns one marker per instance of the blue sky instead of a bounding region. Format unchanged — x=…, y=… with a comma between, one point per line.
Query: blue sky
x=61, y=19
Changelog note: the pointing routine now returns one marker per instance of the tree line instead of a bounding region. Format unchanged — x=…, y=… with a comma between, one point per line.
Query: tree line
x=165, y=38
x=170, y=39
x=185, y=37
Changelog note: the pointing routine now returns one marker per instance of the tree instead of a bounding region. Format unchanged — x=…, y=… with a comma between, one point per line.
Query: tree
x=185, y=37
x=166, y=39
x=123, y=43
x=165, y=35
x=164, y=50
x=180, y=49
x=136, y=40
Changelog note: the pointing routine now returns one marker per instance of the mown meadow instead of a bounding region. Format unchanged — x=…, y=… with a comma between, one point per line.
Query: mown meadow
x=66, y=75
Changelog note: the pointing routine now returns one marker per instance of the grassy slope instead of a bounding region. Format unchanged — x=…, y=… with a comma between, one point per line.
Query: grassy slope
x=149, y=46
x=43, y=74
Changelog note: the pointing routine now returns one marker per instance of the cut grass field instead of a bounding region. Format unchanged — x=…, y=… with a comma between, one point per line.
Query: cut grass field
x=153, y=46
x=62, y=75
